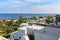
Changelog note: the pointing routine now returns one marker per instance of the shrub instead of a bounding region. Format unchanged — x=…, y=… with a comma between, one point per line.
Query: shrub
x=31, y=37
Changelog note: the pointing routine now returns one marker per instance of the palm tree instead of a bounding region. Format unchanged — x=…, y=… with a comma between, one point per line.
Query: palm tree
x=41, y=17
x=34, y=18
x=10, y=23
x=49, y=19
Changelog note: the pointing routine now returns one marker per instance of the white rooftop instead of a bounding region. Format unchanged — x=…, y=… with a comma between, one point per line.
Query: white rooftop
x=23, y=28
x=31, y=21
x=23, y=24
x=37, y=27
x=14, y=32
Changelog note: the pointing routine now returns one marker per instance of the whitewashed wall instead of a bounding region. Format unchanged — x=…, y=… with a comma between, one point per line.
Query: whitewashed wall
x=17, y=34
x=50, y=34
x=40, y=36
x=14, y=35
x=21, y=32
x=30, y=31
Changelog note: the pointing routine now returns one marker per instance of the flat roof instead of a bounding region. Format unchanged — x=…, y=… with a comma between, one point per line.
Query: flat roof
x=37, y=27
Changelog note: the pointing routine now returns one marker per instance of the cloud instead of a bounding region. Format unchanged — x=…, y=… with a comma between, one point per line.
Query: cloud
x=24, y=2
x=37, y=0
x=12, y=3
x=37, y=9
x=42, y=9
x=40, y=1
x=30, y=6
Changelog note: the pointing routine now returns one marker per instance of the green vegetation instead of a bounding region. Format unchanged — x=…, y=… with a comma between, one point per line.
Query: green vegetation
x=7, y=27
x=31, y=37
x=41, y=17
x=49, y=19
x=33, y=18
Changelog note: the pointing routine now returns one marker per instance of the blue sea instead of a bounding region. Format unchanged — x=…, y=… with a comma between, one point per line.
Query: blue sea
x=15, y=16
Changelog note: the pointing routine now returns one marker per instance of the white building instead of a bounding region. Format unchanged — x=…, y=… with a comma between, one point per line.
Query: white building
x=19, y=33
x=39, y=32
x=47, y=34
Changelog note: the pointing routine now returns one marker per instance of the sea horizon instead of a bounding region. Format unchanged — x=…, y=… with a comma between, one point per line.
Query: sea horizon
x=16, y=16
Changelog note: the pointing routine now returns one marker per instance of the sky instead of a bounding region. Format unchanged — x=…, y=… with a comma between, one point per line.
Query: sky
x=29, y=6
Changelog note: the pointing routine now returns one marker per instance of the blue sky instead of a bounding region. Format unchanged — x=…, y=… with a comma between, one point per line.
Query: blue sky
x=29, y=6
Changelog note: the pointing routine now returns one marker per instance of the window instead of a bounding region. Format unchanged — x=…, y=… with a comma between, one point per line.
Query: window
x=16, y=39
x=19, y=37
x=44, y=31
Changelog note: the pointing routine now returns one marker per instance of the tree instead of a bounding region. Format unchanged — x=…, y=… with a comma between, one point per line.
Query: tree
x=41, y=17
x=8, y=27
x=31, y=37
x=49, y=19
x=20, y=20
x=34, y=18
x=10, y=23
